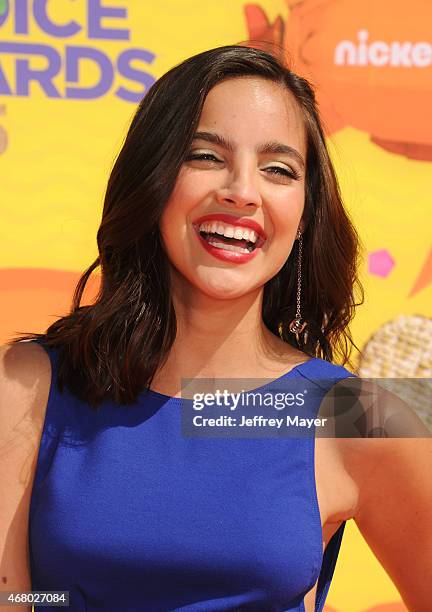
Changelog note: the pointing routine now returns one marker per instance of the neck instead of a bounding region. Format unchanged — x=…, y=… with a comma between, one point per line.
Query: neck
x=216, y=334
x=222, y=338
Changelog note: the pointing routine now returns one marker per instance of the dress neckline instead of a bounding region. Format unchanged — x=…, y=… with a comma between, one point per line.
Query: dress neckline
x=301, y=367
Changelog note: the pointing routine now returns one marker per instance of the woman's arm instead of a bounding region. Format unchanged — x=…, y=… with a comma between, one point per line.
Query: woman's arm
x=25, y=375
x=394, y=514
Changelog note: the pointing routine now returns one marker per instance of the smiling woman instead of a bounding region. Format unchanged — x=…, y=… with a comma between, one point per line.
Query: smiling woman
x=233, y=132
x=225, y=252
x=241, y=180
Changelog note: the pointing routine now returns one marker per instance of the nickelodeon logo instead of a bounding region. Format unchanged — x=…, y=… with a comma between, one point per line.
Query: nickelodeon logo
x=379, y=53
x=339, y=45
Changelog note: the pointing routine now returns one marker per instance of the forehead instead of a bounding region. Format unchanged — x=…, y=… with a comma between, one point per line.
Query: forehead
x=253, y=109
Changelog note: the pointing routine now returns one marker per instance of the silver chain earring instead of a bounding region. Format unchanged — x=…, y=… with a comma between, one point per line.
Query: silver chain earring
x=298, y=324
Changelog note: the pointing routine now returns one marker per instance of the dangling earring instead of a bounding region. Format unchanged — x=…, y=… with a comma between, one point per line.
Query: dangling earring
x=298, y=324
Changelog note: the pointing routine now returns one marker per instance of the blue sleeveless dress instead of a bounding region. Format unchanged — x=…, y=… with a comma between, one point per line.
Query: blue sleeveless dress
x=128, y=515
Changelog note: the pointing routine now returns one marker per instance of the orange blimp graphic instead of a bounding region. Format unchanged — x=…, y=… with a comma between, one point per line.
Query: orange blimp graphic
x=370, y=61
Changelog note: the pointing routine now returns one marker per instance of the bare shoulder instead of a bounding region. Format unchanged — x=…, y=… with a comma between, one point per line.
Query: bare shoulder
x=379, y=428
x=25, y=376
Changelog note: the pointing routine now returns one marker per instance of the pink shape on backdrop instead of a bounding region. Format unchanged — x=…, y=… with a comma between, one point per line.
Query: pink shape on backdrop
x=381, y=263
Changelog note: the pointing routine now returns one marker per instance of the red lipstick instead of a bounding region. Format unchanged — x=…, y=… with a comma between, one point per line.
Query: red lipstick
x=225, y=254
x=233, y=220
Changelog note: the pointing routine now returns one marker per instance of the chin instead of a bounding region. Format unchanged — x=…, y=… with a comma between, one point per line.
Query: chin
x=226, y=289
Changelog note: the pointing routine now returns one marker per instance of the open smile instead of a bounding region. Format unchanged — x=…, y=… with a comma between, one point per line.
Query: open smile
x=228, y=237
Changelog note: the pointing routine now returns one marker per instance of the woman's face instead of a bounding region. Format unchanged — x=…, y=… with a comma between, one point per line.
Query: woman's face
x=245, y=172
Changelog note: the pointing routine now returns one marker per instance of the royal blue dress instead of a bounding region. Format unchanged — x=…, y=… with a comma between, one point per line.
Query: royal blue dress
x=129, y=515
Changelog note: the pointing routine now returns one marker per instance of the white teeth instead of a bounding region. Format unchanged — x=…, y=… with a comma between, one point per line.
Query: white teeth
x=228, y=247
x=230, y=231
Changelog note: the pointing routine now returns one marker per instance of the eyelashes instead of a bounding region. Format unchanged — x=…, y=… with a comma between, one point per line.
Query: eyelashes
x=283, y=171
x=276, y=170
x=202, y=156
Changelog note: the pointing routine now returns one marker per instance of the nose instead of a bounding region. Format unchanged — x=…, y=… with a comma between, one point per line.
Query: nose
x=240, y=188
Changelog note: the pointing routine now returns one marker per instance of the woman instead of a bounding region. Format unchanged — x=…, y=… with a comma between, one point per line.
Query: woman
x=225, y=252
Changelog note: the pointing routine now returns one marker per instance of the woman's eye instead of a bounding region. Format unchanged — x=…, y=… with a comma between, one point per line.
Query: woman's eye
x=283, y=172
x=204, y=156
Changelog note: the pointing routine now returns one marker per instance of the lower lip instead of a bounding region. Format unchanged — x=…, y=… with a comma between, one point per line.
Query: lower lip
x=225, y=255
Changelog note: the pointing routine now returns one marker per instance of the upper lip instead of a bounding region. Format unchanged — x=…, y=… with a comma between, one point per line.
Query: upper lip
x=232, y=220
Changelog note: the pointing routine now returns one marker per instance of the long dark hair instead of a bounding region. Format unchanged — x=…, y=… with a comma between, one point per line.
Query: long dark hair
x=113, y=347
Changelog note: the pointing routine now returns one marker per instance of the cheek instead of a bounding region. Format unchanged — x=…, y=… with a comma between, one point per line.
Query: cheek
x=287, y=213
x=189, y=187
x=173, y=216
x=174, y=227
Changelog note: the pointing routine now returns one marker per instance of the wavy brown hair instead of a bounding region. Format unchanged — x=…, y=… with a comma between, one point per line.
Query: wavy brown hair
x=113, y=347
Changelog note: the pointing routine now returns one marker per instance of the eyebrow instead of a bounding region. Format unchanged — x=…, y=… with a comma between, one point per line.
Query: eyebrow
x=272, y=146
